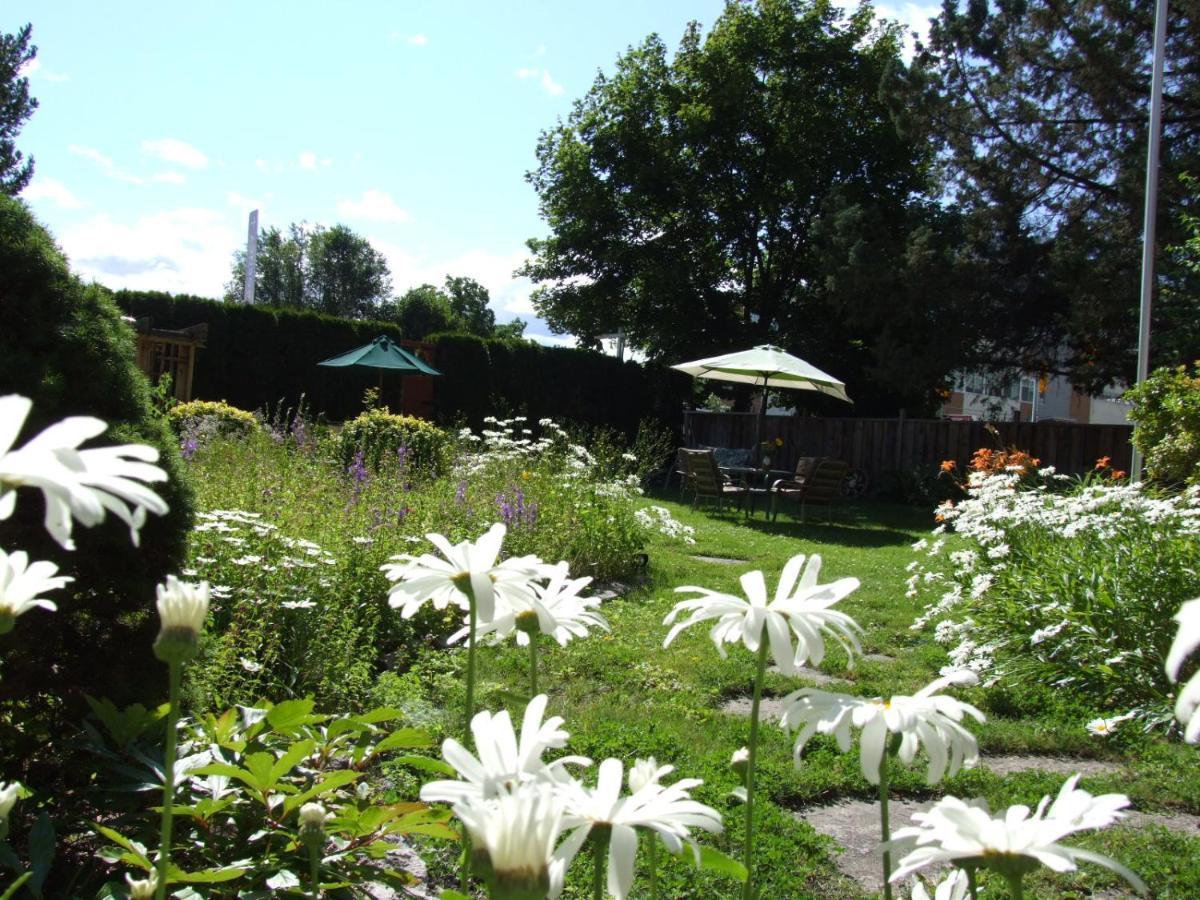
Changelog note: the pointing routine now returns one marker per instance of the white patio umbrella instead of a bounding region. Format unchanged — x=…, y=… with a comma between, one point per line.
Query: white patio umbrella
x=766, y=366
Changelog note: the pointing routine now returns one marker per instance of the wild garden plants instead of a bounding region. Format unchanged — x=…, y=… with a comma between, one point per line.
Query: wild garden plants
x=268, y=799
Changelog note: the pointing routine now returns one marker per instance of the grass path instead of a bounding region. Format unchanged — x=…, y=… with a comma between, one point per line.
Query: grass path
x=624, y=695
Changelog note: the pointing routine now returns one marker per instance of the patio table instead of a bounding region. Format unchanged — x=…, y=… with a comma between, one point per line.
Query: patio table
x=758, y=481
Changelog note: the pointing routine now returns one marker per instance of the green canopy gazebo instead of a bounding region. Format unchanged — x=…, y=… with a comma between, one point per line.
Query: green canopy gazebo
x=383, y=354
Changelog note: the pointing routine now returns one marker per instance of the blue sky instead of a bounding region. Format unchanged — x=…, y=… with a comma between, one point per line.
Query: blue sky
x=161, y=125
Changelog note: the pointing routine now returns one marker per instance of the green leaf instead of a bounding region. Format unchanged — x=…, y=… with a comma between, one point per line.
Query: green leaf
x=41, y=850
x=425, y=764
x=207, y=876
x=716, y=861
x=15, y=886
x=404, y=739
x=291, y=714
x=452, y=895
x=331, y=782
x=136, y=850
x=295, y=754
x=284, y=878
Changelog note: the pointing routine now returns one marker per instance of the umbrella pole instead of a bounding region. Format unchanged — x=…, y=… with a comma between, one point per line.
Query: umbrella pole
x=762, y=414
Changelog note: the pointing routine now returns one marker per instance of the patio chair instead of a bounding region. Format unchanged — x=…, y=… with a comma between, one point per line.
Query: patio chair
x=706, y=480
x=677, y=468
x=820, y=485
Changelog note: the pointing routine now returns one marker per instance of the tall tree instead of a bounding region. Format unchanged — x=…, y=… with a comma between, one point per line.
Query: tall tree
x=346, y=275
x=469, y=301
x=424, y=310
x=16, y=106
x=329, y=270
x=746, y=191
x=1041, y=110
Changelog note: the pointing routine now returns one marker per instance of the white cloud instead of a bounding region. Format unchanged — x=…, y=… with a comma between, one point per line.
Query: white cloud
x=187, y=250
x=540, y=51
x=169, y=177
x=42, y=188
x=914, y=16
x=418, y=40
x=308, y=160
x=549, y=85
x=107, y=166
x=246, y=204
x=176, y=151
x=554, y=340
x=35, y=70
x=377, y=206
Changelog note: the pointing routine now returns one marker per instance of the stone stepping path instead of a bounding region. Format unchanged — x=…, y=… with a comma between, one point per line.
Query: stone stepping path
x=854, y=824
x=720, y=560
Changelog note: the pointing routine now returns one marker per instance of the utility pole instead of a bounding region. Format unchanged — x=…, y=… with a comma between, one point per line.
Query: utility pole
x=1151, y=211
x=251, y=258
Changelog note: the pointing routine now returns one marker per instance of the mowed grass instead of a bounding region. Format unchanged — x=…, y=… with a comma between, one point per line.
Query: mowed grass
x=624, y=695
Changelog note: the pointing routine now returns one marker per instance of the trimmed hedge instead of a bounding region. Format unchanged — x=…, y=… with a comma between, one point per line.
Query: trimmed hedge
x=499, y=377
x=258, y=355
x=379, y=434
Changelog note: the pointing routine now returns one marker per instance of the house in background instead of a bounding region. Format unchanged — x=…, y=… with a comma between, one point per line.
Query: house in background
x=1000, y=397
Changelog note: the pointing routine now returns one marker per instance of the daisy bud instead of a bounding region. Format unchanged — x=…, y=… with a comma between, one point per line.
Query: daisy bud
x=644, y=772
x=181, y=609
x=312, y=822
x=741, y=762
x=142, y=888
x=9, y=793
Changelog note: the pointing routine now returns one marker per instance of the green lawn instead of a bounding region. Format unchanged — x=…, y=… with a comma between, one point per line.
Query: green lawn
x=624, y=695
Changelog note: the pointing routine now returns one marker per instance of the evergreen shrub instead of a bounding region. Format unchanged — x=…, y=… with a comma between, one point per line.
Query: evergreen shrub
x=1166, y=413
x=64, y=344
x=225, y=419
x=379, y=435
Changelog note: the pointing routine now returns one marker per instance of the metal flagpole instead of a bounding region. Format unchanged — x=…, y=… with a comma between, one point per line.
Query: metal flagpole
x=251, y=259
x=1151, y=212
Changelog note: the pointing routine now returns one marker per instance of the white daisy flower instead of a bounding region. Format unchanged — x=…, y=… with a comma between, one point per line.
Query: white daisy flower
x=22, y=583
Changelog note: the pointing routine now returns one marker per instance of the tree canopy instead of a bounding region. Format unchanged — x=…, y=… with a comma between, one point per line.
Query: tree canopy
x=330, y=270
x=16, y=106
x=462, y=306
x=751, y=189
x=1039, y=109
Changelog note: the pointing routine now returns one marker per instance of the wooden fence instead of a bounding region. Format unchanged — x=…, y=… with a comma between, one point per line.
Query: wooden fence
x=881, y=446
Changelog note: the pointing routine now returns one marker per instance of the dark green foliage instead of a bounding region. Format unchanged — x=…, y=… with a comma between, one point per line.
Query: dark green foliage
x=751, y=188
x=257, y=355
x=15, y=107
x=1166, y=410
x=482, y=378
x=1041, y=111
x=423, y=310
x=64, y=345
x=330, y=270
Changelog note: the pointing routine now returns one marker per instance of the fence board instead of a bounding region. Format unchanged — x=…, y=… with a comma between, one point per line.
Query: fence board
x=882, y=446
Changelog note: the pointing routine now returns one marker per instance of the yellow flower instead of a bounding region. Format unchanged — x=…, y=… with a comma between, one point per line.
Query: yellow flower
x=524, y=476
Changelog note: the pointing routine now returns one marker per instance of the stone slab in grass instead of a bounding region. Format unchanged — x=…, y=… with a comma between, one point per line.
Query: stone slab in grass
x=879, y=658
x=1007, y=764
x=854, y=824
x=719, y=560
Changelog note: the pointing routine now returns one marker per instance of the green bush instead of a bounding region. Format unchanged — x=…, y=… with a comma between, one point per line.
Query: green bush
x=379, y=435
x=64, y=344
x=1166, y=412
x=226, y=419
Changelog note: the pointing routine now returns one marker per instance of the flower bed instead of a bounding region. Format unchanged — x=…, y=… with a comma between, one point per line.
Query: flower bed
x=1037, y=579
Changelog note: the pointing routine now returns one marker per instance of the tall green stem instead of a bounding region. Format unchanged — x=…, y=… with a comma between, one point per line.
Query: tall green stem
x=1016, y=890
x=884, y=826
x=174, y=668
x=470, y=709
x=972, y=888
x=748, y=855
x=599, y=848
x=533, y=648
x=652, y=858
x=314, y=868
